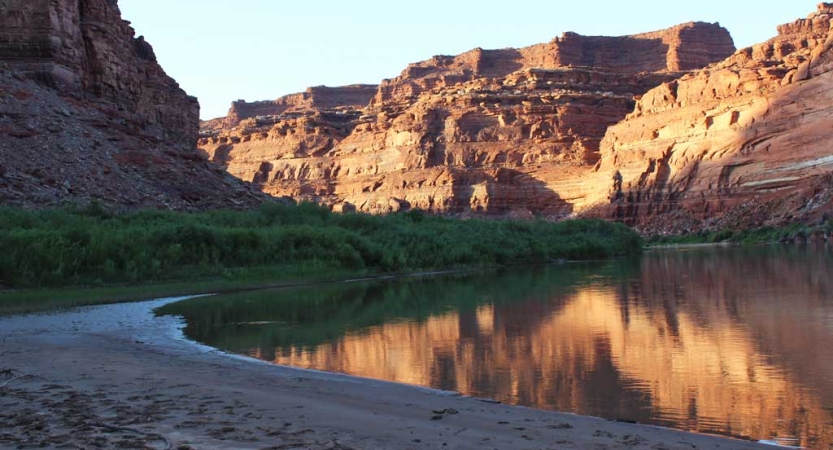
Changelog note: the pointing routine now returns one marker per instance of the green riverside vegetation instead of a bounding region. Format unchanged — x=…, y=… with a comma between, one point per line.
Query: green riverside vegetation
x=93, y=247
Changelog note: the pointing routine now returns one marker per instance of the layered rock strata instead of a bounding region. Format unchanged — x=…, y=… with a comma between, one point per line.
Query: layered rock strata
x=319, y=97
x=508, y=132
x=87, y=113
x=744, y=142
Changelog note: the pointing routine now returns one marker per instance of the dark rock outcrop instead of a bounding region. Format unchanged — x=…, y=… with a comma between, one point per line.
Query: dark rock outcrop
x=86, y=112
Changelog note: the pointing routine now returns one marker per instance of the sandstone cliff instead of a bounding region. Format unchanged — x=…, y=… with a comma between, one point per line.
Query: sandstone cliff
x=744, y=142
x=508, y=132
x=87, y=113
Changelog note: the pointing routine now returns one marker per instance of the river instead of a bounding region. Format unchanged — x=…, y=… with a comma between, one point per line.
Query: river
x=734, y=341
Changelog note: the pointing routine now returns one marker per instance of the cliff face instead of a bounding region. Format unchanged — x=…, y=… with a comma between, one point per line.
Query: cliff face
x=86, y=113
x=632, y=128
x=510, y=131
x=745, y=142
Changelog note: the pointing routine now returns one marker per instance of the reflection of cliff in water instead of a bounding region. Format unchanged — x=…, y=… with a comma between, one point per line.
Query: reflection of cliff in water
x=727, y=342
x=275, y=319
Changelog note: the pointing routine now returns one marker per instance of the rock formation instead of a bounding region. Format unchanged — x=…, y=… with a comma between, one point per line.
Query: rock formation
x=670, y=131
x=506, y=132
x=744, y=142
x=319, y=97
x=86, y=113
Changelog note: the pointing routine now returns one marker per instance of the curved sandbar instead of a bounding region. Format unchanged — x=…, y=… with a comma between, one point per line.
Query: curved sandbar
x=116, y=375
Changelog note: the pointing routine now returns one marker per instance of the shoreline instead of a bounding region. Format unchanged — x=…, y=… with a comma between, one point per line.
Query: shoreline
x=118, y=376
x=699, y=245
x=43, y=299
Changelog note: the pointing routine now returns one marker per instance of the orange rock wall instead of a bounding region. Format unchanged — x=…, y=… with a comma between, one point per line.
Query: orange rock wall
x=745, y=142
x=501, y=132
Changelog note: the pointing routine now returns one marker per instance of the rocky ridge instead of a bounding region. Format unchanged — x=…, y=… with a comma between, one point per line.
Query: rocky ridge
x=500, y=132
x=87, y=113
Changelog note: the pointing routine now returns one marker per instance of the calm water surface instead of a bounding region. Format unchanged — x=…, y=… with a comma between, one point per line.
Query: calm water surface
x=730, y=341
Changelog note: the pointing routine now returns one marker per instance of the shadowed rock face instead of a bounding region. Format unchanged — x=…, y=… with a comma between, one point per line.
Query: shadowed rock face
x=508, y=132
x=745, y=142
x=85, y=46
x=87, y=113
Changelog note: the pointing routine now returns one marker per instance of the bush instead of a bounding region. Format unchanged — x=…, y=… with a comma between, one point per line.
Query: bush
x=91, y=245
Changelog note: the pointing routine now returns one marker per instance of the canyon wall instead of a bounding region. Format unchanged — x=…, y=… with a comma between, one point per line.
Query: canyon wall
x=87, y=113
x=86, y=46
x=669, y=131
x=500, y=132
x=745, y=142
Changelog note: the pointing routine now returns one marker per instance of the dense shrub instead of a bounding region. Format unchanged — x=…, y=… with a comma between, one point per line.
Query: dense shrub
x=90, y=245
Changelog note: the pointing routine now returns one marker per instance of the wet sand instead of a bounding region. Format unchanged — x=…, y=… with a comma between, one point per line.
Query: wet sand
x=117, y=377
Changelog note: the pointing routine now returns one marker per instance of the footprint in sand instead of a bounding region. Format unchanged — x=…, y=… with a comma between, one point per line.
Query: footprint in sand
x=604, y=434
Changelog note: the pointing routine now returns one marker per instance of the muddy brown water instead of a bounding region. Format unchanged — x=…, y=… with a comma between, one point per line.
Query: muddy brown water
x=733, y=341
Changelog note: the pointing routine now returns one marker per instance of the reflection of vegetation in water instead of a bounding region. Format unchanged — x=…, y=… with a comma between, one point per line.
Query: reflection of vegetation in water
x=311, y=316
x=731, y=340
x=88, y=246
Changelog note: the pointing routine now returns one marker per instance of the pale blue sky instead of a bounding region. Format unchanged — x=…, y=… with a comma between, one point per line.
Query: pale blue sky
x=223, y=50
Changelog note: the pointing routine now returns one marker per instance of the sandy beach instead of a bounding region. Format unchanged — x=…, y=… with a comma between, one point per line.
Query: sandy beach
x=117, y=377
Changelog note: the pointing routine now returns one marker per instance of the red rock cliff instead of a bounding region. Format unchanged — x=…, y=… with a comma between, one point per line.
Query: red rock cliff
x=684, y=47
x=509, y=131
x=86, y=113
x=745, y=142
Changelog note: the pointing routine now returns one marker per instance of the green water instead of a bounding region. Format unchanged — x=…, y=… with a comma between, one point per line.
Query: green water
x=734, y=341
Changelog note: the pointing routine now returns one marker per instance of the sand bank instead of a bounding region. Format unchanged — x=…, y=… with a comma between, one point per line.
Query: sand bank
x=117, y=377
